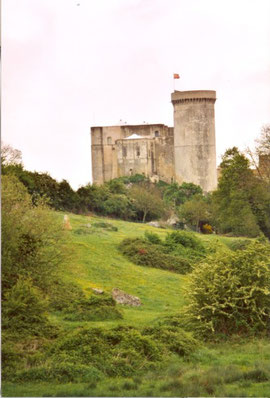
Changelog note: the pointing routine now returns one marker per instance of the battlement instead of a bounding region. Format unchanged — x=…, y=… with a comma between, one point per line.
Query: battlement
x=193, y=96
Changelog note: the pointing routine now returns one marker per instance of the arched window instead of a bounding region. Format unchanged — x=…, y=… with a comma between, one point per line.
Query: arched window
x=138, y=151
x=124, y=151
x=109, y=140
x=156, y=133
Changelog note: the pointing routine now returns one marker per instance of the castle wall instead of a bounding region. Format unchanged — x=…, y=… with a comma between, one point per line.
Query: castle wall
x=135, y=156
x=164, y=151
x=104, y=157
x=194, y=138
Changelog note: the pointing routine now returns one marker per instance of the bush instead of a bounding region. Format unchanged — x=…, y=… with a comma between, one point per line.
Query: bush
x=175, y=339
x=93, y=309
x=62, y=294
x=186, y=239
x=238, y=244
x=117, y=352
x=230, y=293
x=145, y=253
x=33, y=242
x=207, y=229
x=63, y=373
x=105, y=225
x=153, y=238
x=24, y=310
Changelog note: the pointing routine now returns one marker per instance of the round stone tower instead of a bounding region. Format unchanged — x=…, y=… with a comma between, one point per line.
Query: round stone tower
x=194, y=138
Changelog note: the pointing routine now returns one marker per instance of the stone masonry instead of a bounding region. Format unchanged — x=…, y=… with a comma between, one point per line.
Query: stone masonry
x=186, y=152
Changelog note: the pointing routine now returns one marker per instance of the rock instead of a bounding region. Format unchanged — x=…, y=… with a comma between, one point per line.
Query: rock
x=126, y=299
x=154, y=224
x=97, y=291
x=67, y=223
x=173, y=220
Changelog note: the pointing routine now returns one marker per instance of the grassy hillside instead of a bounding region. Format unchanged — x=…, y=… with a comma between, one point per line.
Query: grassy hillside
x=234, y=368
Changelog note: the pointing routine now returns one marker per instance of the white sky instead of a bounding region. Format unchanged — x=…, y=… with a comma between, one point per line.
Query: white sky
x=66, y=67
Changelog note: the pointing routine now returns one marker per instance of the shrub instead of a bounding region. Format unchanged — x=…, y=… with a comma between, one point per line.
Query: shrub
x=33, y=242
x=24, y=310
x=93, y=309
x=230, y=293
x=117, y=352
x=144, y=253
x=238, y=244
x=64, y=372
x=175, y=339
x=153, y=238
x=62, y=294
x=207, y=229
x=105, y=225
x=186, y=239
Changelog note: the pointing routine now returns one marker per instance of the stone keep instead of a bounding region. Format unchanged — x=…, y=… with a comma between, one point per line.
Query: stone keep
x=194, y=138
x=186, y=152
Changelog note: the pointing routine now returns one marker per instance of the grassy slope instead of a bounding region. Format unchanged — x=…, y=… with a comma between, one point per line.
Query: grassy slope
x=99, y=264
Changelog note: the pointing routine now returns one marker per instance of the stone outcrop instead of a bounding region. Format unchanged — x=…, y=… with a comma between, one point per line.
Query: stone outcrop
x=126, y=299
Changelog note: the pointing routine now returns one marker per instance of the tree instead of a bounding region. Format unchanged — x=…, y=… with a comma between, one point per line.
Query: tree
x=241, y=203
x=33, y=242
x=147, y=201
x=178, y=194
x=260, y=158
x=10, y=156
x=193, y=211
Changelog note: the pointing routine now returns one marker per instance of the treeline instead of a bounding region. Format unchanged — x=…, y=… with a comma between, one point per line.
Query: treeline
x=240, y=205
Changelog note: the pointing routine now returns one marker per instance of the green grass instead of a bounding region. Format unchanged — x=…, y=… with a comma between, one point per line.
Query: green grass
x=234, y=368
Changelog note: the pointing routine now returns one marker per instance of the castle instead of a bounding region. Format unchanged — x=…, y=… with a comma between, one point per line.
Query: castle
x=185, y=152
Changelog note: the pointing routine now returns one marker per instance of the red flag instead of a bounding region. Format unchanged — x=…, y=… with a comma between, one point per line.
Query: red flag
x=176, y=76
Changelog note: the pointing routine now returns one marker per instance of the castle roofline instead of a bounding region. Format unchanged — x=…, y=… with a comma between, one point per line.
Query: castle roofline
x=132, y=125
x=196, y=95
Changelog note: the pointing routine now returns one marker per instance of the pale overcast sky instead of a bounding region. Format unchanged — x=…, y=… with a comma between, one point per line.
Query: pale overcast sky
x=68, y=65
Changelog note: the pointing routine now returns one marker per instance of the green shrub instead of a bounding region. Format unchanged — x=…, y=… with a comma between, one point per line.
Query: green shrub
x=105, y=225
x=24, y=310
x=122, y=351
x=145, y=253
x=230, y=293
x=186, y=239
x=175, y=339
x=153, y=238
x=64, y=372
x=93, y=309
x=62, y=294
x=238, y=244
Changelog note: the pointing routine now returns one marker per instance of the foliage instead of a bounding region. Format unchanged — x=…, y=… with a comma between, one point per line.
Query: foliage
x=145, y=253
x=175, y=339
x=118, y=205
x=24, y=310
x=238, y=244
x=153, y=238
x=207, y=229
x=184, y=238
x=241, y=203
x=105, y=225
x=176, y=194
x=193, y=211
x=92, y=309
x=33, y=244
x=147, y=201
x=230, y=293
x=63, y=372
x=115, y=352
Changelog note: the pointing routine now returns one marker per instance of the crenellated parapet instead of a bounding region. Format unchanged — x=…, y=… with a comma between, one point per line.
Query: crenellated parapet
x=182, y=97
